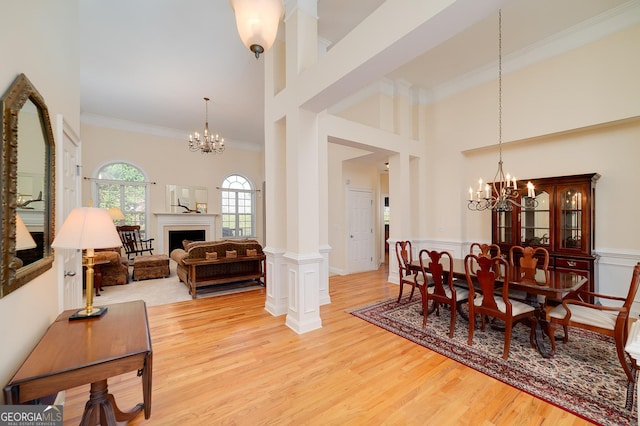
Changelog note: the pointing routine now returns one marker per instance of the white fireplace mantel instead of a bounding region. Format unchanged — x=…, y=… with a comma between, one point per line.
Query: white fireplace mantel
x=166, y=222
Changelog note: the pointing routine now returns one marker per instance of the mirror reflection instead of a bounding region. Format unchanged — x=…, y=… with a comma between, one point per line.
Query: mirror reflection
x=27, y=193
x=186, y=199
x=30, y=185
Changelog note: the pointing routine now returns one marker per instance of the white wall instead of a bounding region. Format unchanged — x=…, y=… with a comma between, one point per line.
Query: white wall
x=578, y=112
x=39, y=39
x=168, y=161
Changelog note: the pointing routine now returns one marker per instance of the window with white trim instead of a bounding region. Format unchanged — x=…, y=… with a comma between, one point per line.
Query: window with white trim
x=123, y=185
x=238, y=207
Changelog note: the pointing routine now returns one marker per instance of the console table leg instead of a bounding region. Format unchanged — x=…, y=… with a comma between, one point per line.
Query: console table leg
x=102, y=409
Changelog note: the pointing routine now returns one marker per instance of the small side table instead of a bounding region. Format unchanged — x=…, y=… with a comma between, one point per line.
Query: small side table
x=74, y=353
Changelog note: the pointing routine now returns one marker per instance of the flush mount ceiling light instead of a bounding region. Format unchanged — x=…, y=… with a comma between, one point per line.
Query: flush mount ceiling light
x=257, y=22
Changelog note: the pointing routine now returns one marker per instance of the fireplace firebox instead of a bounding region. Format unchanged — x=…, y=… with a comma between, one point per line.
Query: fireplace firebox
x=176, y=237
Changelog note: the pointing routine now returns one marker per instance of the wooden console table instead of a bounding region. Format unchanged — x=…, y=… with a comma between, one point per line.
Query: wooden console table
x=74, y=353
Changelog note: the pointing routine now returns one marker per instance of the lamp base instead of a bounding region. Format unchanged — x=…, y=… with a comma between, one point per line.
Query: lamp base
x=96, y=312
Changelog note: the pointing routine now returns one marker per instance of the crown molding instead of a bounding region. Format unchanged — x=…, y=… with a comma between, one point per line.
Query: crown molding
x=612, y=21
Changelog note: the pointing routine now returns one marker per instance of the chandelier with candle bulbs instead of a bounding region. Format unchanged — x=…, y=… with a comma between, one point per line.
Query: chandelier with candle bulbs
x=208, y=142
x=502, y=194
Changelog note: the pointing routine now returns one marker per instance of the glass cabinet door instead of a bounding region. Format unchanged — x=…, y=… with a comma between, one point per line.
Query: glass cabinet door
x=504, y=228
x=570, y=202
x=535, y=220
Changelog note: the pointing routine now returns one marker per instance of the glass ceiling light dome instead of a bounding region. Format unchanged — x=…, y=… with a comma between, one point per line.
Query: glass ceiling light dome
x=257, y=22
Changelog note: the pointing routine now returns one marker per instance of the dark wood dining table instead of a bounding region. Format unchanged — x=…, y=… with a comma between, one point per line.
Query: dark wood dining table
x=554, y=285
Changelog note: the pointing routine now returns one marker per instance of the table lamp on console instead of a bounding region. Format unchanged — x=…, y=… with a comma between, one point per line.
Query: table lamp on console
x=88, y=228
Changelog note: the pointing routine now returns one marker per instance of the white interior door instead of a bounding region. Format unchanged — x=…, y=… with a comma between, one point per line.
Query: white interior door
x=360, y=227
x=68, y=197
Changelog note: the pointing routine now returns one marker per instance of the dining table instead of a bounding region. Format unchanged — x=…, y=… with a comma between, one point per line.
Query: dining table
x=546, y=287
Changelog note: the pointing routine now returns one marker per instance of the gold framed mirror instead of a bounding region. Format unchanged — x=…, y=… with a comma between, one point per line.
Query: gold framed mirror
x=27, y=196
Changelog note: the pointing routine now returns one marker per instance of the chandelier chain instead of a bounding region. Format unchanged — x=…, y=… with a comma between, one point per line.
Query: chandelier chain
x=502, y=195
x=500, y=83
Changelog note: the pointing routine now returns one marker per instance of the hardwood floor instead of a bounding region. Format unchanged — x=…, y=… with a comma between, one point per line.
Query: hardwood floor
x=225, y=360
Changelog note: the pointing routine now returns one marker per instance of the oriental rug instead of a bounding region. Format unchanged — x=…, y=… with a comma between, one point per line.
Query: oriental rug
x=584, y=377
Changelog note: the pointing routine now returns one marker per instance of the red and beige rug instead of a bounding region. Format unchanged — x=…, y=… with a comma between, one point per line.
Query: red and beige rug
x=584, y=377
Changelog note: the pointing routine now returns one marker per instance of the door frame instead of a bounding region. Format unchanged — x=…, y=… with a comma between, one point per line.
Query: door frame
x=69, y=261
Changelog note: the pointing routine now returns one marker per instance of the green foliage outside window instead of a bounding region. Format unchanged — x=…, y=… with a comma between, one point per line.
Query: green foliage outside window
x=122, y=185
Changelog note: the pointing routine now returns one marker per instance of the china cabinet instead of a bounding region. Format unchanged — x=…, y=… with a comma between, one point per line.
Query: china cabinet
x=561, y=219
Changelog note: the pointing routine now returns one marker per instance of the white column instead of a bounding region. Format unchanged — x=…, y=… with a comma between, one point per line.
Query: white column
x=275, y=180
x=325, y=298
x=304, y=308
x=293, y=159
x=277, y=301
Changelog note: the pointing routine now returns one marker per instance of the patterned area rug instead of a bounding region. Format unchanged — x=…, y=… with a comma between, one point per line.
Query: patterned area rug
x=584, y=377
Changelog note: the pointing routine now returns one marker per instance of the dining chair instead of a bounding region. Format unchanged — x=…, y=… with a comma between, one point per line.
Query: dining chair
x=442, y=291
x=491, y=303
x=526, y=261
x=407, y=275
x=529, y=265
x=486, y=250
x=608, y=320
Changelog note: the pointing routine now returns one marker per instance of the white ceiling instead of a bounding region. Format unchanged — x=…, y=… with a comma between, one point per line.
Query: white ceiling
x=147, y=64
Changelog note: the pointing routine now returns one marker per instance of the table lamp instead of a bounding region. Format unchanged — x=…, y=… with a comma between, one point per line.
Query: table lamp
x=116, y=213
x=24, y=240
x=88, y=228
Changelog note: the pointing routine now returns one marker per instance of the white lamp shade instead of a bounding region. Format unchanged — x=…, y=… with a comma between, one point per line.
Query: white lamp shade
x=87, y=228
x=257, y=21
x=116, y=213
x=24, y=240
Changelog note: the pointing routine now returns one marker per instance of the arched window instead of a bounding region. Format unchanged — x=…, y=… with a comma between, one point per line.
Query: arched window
x=238, y=207
x=123, y=185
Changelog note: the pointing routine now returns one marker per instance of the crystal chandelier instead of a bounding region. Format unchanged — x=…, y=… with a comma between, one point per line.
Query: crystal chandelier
x=209, y=143
x=502, y=195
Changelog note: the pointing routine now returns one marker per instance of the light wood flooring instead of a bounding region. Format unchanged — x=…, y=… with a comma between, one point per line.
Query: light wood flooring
x=225, y=360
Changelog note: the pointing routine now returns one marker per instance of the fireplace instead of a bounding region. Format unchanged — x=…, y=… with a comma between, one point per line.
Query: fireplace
x=176, y=237
x=186, y=222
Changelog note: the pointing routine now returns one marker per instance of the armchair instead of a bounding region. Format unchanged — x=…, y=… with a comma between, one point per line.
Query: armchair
x=608, y=320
